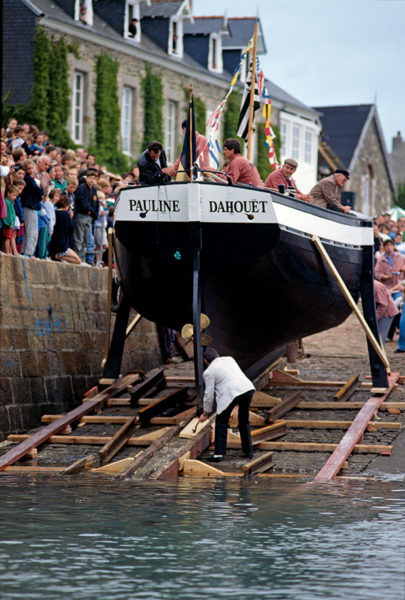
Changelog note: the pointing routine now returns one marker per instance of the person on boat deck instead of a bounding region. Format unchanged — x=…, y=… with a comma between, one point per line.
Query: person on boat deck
x=240, y=169
x=152, y=163
x=225, y=381
x=390, y=267
x=201, y=149
x=283, y=176
x=325, y=192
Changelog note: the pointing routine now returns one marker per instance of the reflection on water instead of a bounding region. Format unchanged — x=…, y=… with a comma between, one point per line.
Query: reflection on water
x=83, y=539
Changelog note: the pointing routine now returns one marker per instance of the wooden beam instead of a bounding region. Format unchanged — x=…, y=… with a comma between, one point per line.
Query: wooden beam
x=34, y=470
x=141, y=388
x=284, y=407
x=346, y=445
x=323, y=447
x=265, y=433
x=114, y=467
x=82, y=464
x=348, y=389
x=314, y=424
x=45, y=433
x=255, y=420
x=158, y=406
x=118, y=440
x=91, y=440
x=258, y=465
x=196, y=468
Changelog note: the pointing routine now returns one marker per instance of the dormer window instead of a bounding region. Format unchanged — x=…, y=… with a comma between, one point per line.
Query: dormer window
x=132, y=24
x=215, y=53
x=84, y=12
x=176, y=37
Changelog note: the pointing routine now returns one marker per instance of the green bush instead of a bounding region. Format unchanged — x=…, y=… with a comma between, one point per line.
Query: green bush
x=152, y=93
x=231, y=118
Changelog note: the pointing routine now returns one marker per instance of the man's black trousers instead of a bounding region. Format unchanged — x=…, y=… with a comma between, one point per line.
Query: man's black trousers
x=222, y=420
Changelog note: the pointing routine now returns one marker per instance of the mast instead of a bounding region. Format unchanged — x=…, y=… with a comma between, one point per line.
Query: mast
x=252, y=93
x=190, y=116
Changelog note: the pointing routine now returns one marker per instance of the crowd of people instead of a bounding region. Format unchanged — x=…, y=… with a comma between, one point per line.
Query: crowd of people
x=54, y=203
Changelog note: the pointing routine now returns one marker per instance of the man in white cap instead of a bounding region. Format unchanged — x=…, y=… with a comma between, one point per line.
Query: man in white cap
x=283, y=177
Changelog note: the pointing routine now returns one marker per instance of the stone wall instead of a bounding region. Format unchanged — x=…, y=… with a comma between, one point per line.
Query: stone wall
x=370, y=170
x=52, y=336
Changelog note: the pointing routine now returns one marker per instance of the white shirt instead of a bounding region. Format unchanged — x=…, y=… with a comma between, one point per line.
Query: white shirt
x=224, y=381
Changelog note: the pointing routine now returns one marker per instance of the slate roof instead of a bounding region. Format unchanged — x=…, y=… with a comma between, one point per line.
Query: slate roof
x=277, y=93
x=242, y=29
x=342, y=127
x=204, y=25
x=160, y=9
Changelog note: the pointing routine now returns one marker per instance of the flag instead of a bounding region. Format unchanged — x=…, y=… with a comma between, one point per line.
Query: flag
x=213, y=123
x=189, y=152
x=243, y=124
x=268, y=132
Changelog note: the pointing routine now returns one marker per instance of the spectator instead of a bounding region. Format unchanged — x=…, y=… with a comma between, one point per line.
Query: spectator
x=86, y=211
x=19, y=140
x=31, y=202
x=41, y=172
x=62, y=232
x=100, y=224
x=9, y=222
x=58, y=181
x=19, y=156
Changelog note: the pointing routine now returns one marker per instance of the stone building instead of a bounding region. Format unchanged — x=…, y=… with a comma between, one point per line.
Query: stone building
x=165, y=36
x=352, y=138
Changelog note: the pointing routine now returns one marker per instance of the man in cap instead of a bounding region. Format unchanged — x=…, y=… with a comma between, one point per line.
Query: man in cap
x=228, y=385
x=283, y=177
x=325, y=192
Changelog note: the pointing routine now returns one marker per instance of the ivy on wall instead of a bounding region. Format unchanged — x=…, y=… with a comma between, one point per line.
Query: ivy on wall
x=200, y=111
x=50, y=104
x=262, y=155
x=107, y=112
x=152, y=94
x=231, y=117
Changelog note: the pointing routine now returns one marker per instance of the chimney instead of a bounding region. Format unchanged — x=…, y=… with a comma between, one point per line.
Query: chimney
x=397, y=142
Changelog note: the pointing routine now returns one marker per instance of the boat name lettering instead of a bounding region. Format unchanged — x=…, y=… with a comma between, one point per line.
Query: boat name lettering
x=164, y=206
x=238, y=206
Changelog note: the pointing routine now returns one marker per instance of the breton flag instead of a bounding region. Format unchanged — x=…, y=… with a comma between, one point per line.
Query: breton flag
x=189, y=152
x=243, y=125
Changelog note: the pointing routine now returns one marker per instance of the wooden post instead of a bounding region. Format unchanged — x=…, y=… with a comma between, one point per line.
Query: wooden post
x=190, y=116
x=381, y=354
x=252, y=94
x=109, y=292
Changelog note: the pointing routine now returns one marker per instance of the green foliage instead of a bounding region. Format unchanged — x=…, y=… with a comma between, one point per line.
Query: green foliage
x=107, y=112
x=50, y=104
x=277, y=141
x=231, y=117
x=262, y=153
x=200, y=113
x=152, y=92
x=400, y=201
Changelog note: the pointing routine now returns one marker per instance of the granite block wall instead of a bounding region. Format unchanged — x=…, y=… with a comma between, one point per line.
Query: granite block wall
x=52, y=337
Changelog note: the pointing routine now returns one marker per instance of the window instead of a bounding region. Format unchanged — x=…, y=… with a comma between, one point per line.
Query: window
x=284, y=137
x=215, y=53
x=84, y=11
x=308, y=146
x=132, y=22
x=171, y=131
x=295, y=148
x=77, y=107
x=126, y=119
x=176, y=37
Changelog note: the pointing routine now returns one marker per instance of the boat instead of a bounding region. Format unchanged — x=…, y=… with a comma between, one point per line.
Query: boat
x=246, y=258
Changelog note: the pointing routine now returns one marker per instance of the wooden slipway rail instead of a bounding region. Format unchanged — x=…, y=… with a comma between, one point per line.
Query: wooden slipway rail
x=144, y=427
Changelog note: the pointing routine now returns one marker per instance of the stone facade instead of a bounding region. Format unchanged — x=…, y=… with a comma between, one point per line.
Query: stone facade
x=52, y=337
x=369, y=176
x=397, y=159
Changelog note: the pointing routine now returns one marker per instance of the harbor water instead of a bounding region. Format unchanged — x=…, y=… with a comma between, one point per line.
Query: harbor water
x=85, y=538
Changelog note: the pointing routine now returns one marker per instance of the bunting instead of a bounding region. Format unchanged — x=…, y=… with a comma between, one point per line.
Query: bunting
x=268, y=132
x=243, y=125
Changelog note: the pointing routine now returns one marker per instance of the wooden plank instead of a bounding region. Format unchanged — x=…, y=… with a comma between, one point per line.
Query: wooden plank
x=265, y=433
x=261, y=463
x=45, y=433
x=90, y=440
x=118, y=440
x=284, y=407
x=194, y=427
x=333, y=465
x=324, y=447
x=255, y=420
x=348, y=389
x=151, y=451
x=114, y=467
x=306, y=424
x=141, y=388
x=158, y=406
x=82, y=464
x=325, y=405
x=119, y=402
x=34, y=470
x=196, y=468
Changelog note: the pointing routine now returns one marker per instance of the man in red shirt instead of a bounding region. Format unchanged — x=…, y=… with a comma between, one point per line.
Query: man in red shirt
x=201, y=150
x=240, y=169
x=283, y=176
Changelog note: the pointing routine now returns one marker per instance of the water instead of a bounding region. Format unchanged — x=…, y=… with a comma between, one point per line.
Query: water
x=86, y=539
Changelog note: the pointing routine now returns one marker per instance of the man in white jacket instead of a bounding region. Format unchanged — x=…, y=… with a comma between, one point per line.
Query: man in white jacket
x=228, y=385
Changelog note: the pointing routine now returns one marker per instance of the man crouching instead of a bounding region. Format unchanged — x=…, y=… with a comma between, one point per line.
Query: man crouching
x=225, y=381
